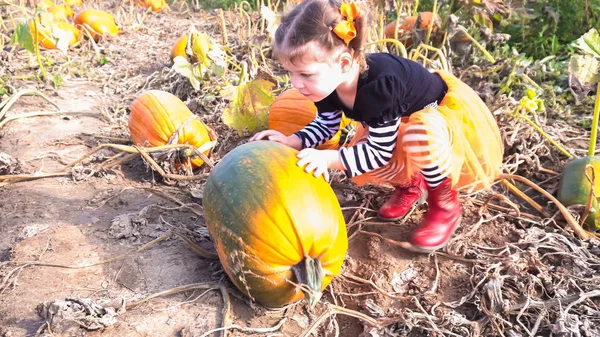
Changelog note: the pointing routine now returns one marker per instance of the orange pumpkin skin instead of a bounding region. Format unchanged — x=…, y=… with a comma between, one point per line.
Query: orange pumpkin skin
x=97, y=23
x=76, y=3
x=155, y=117
x=45, y=4
x=44, y=30
x=156, y=5
x=62, y=12
x=73, y=32
x=266, y=215
x=179, y=47
x=291, y=111
x=407, y=26
x=46, y=27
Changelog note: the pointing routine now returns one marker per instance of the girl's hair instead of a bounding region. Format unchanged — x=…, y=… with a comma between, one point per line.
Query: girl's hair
x=313, y=21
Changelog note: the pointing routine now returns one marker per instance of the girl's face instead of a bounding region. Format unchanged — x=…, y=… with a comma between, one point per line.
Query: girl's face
x=315, y=79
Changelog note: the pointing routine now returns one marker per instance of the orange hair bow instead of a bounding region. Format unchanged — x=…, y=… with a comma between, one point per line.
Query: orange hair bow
x=346, y=29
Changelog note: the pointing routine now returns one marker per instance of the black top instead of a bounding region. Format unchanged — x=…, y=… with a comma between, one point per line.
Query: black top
x=392, y=87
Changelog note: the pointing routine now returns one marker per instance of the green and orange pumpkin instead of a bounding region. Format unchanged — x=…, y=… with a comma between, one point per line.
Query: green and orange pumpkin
x=279, y=232
x=291, y=111
x=159, y=118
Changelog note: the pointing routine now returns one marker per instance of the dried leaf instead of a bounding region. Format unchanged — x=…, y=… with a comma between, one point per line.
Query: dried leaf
x=272, y=19
x=249, y=106
x=483, y=20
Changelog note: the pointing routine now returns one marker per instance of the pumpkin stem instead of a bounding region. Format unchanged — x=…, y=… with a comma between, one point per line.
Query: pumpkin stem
x=309, y=274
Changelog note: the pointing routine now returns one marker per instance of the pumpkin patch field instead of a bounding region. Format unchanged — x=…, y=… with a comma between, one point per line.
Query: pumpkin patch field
x=132, y=203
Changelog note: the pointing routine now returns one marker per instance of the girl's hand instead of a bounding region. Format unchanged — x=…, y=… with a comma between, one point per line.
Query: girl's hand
x=316, y=161
x=273, y=135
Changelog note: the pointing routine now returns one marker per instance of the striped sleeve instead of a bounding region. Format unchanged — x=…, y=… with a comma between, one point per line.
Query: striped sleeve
x=374, y=153
x=320, y=130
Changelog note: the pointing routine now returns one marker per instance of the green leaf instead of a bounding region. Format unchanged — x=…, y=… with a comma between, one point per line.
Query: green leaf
x=185, y=68
x=249, y=106
x=57, y=80
x=22, y=36
x=200, y=48
x=585, y=68
x=589, y=43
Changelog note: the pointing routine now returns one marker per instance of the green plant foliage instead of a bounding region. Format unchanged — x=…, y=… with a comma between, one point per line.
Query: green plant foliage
x=249, y=108
x=22, y=36
x=542, y=28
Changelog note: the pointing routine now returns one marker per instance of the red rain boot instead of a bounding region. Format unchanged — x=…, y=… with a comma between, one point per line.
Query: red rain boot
x=441, y=220
x=403, y=199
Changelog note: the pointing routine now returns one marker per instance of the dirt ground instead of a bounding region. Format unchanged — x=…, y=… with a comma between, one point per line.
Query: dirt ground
x=77, y=222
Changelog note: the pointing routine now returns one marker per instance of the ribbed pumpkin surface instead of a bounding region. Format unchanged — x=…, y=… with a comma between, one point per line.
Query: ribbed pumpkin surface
x=156, y=115
x=291, y=111
x=265, y=215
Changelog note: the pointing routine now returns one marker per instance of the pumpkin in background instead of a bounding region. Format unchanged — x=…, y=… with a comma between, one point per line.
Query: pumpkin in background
x=291, y=111
x=44, y=25
x=159, y=118
x=45, y=4
x=62, y=12
x=179, y=47
x=49, y=31
x=75, y=3
x=272, y=223
x=97, y=23
x=407, y=26
x=156, y=5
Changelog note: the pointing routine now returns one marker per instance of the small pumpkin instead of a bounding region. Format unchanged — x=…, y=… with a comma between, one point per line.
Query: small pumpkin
x=407, y=26
x=179, y=47
x=49, y=32
x=156, y=5
x=159, y=118
x=97, y=23
x=62, y=12
x=43, y=31
x=574, y=187
x=291, y=111
x=273, y=225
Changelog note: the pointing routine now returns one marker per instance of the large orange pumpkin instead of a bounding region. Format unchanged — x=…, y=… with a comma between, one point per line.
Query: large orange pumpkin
x=279, y=232
x=157, y=115
x=407, y=26
x=291, y=111
x=97, y=23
